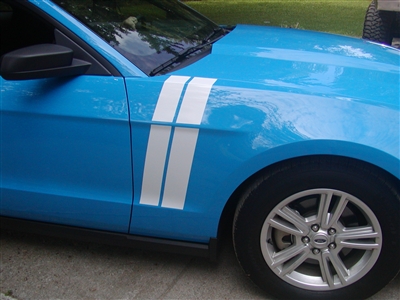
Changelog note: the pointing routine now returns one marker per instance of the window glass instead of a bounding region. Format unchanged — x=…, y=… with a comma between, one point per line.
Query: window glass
x=20, y=28
x=147, y=32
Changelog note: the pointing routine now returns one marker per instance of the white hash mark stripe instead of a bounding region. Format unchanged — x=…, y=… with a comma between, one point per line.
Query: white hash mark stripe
x=183, y=145
x=195, y=101
x=154, y=166
x=169, y=98
x=184, y=142
x=179, y=167
x=159, y=139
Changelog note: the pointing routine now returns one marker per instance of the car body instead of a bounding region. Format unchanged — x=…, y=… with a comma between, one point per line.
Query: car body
x=122, y=147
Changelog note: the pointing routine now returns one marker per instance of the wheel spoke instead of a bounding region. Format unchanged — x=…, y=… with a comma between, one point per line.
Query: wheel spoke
x=284, y=226
x=329, y=219
x=338, y=210
x=323, y=209
x=341, y=270
x=294, y=218
x=358, y=238
x=294, y=263
x=287, y=254
x=327, y=275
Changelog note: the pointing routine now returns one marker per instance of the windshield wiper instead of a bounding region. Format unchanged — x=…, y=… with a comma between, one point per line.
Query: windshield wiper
x=208, y=38
x=181, y=56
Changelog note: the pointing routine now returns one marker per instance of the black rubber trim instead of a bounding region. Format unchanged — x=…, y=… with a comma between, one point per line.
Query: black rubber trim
x=47, y=18
x=95, y=67
x=110, y=238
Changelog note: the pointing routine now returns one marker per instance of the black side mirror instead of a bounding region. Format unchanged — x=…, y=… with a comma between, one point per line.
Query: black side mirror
x=41, y=61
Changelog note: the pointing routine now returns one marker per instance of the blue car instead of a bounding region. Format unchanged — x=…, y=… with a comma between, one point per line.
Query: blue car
x=142, y=123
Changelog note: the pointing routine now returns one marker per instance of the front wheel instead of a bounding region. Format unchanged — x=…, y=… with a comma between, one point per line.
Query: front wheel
x=320, y=227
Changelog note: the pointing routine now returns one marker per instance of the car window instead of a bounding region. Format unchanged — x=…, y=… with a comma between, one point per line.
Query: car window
x=147, y=32
x=19, y=28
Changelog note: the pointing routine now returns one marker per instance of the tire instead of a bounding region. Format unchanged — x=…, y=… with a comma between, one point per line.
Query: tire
x=396, y=28
x=379, y=25
x=320, y=228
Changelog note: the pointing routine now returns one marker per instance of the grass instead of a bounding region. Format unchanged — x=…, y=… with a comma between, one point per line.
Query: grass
x=344, y=17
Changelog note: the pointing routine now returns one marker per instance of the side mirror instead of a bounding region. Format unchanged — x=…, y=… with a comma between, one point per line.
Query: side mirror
x=41, y=61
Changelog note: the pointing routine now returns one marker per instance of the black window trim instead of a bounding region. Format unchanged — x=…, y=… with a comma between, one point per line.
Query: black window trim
x=96, y=57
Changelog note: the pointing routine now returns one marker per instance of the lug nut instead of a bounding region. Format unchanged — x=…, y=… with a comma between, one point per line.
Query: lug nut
x=332, y=231
x=315, y=228
x=332, y=246
x=305, y=239
x=316, y=251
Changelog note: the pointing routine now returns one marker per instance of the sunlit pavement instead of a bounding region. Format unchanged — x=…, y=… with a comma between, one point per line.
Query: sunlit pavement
x=36, y=267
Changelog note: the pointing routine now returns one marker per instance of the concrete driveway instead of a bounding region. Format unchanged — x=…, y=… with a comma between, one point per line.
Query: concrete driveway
x=36, y=267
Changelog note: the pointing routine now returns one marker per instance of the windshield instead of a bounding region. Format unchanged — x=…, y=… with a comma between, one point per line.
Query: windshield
x=149, y=33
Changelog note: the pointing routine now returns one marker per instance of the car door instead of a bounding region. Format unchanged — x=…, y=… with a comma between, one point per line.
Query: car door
x=65, y=141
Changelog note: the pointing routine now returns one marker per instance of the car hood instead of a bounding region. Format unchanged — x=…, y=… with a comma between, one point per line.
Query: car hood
x=303, y=62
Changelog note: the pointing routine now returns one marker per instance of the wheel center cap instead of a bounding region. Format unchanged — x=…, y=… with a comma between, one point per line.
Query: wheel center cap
x=320, y=240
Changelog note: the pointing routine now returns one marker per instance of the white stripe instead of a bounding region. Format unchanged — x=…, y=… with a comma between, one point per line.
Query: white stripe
x=195, y=101
x=169, y=98
x=184, y=142
x=153, y=173
x=179, y=167
x=157, y=146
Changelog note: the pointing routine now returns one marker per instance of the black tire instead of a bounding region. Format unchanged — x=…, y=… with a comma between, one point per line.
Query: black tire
x=379, y=25
x=313, y=241
x=396, y=28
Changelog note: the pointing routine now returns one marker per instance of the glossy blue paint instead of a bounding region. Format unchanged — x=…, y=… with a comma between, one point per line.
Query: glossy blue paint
x=326, y=95
x=68, y=153
x=199, y=220
x=322, y=84
x=65, y=152
x=246, y=130
x=303, y=62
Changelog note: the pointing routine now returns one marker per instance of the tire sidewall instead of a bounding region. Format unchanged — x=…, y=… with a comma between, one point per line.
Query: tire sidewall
x=273, y=188
x=379, y=25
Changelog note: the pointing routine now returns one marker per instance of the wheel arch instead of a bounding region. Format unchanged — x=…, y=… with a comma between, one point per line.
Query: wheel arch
x=379, y=160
